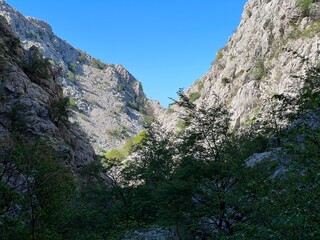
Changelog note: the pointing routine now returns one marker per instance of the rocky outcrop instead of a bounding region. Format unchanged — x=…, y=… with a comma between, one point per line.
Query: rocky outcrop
x=259, y=60
x=29, y=95
x=107, y=101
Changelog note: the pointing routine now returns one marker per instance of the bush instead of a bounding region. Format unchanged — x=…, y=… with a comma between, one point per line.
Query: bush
x=260, y=70
x=98, y=64
x=304, y=6
x=59, y=110
x=219, y=54
x=72, y=67
x=123, y=152
x=182, y=126
x=225, y=80
x=115, y=154
x=194, y=96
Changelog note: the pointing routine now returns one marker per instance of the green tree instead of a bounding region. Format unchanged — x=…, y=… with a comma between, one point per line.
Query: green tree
x=40, y=194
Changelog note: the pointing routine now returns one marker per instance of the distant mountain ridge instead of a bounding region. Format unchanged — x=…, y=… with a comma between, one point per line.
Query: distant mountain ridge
x=107, y=101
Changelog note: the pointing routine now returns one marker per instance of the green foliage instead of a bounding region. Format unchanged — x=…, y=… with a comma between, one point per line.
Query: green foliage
x=182, y=126
x=312, y=30
x=43, y=195
x=123, y=152
x=72, y=67
x=115, y=153
x=304, y=6
x=133, y=105
x=82, y=56
x=148, y=119
x=71, y=76
x=120, y=87
x=225, y=80
x=38, y=68
x=219, y=54
x=200, y=180
x=59, y=110
x=194, y=96
x=249, y=13
x=73, y=104
x=137, y=140
x=98, y=64
x=260, y=70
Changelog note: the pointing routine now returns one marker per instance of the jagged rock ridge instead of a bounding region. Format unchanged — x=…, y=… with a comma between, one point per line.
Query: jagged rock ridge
x=107, y=101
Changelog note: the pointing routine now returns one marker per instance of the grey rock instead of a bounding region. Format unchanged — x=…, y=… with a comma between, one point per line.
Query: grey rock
x=25, y=104
x=258, y=61
x=315, y=11
x=107, y=99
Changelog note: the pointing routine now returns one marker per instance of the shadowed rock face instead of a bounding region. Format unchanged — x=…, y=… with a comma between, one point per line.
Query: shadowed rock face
x=107, y=100
x=259, y=60
x=28, y=92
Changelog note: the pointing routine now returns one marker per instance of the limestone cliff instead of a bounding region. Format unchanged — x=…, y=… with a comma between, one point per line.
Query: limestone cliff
x=107, y=101
x=29, y=100
x=259, y=60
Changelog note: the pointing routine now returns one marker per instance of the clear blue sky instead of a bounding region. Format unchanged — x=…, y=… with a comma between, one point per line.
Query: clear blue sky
x=166, y=44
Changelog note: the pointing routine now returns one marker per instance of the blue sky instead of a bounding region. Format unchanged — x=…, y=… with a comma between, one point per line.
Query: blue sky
x=166, y=44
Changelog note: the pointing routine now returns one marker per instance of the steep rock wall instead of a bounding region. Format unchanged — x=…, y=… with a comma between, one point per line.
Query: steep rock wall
x=259, y=60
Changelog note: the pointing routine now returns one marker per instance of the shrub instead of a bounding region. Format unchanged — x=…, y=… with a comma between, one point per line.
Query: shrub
x=182, y=126
x=37, y=68
x=248, y=12
x=115, y=154
x=219, y=54
x=260, y=70
x=225, y=80
x=123, y=152
x=81, y=57
x=148, y=119
x=71, y=76
x=59, y=110
x=133, y=105
x=194, y=96
x=304, y=6
x=72, y=67
x=98, y=64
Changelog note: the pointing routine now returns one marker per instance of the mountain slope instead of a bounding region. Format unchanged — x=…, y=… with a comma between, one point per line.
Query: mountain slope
x=108, y=102
x=259, y=60
x=29, y=100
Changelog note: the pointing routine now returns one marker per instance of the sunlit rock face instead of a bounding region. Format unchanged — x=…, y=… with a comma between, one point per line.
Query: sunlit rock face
x=259, y=60
x=108, y=102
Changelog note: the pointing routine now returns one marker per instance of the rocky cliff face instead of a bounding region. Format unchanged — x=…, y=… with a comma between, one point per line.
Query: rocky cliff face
x=259, y=60
x=107, y=101
x=29, y=98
